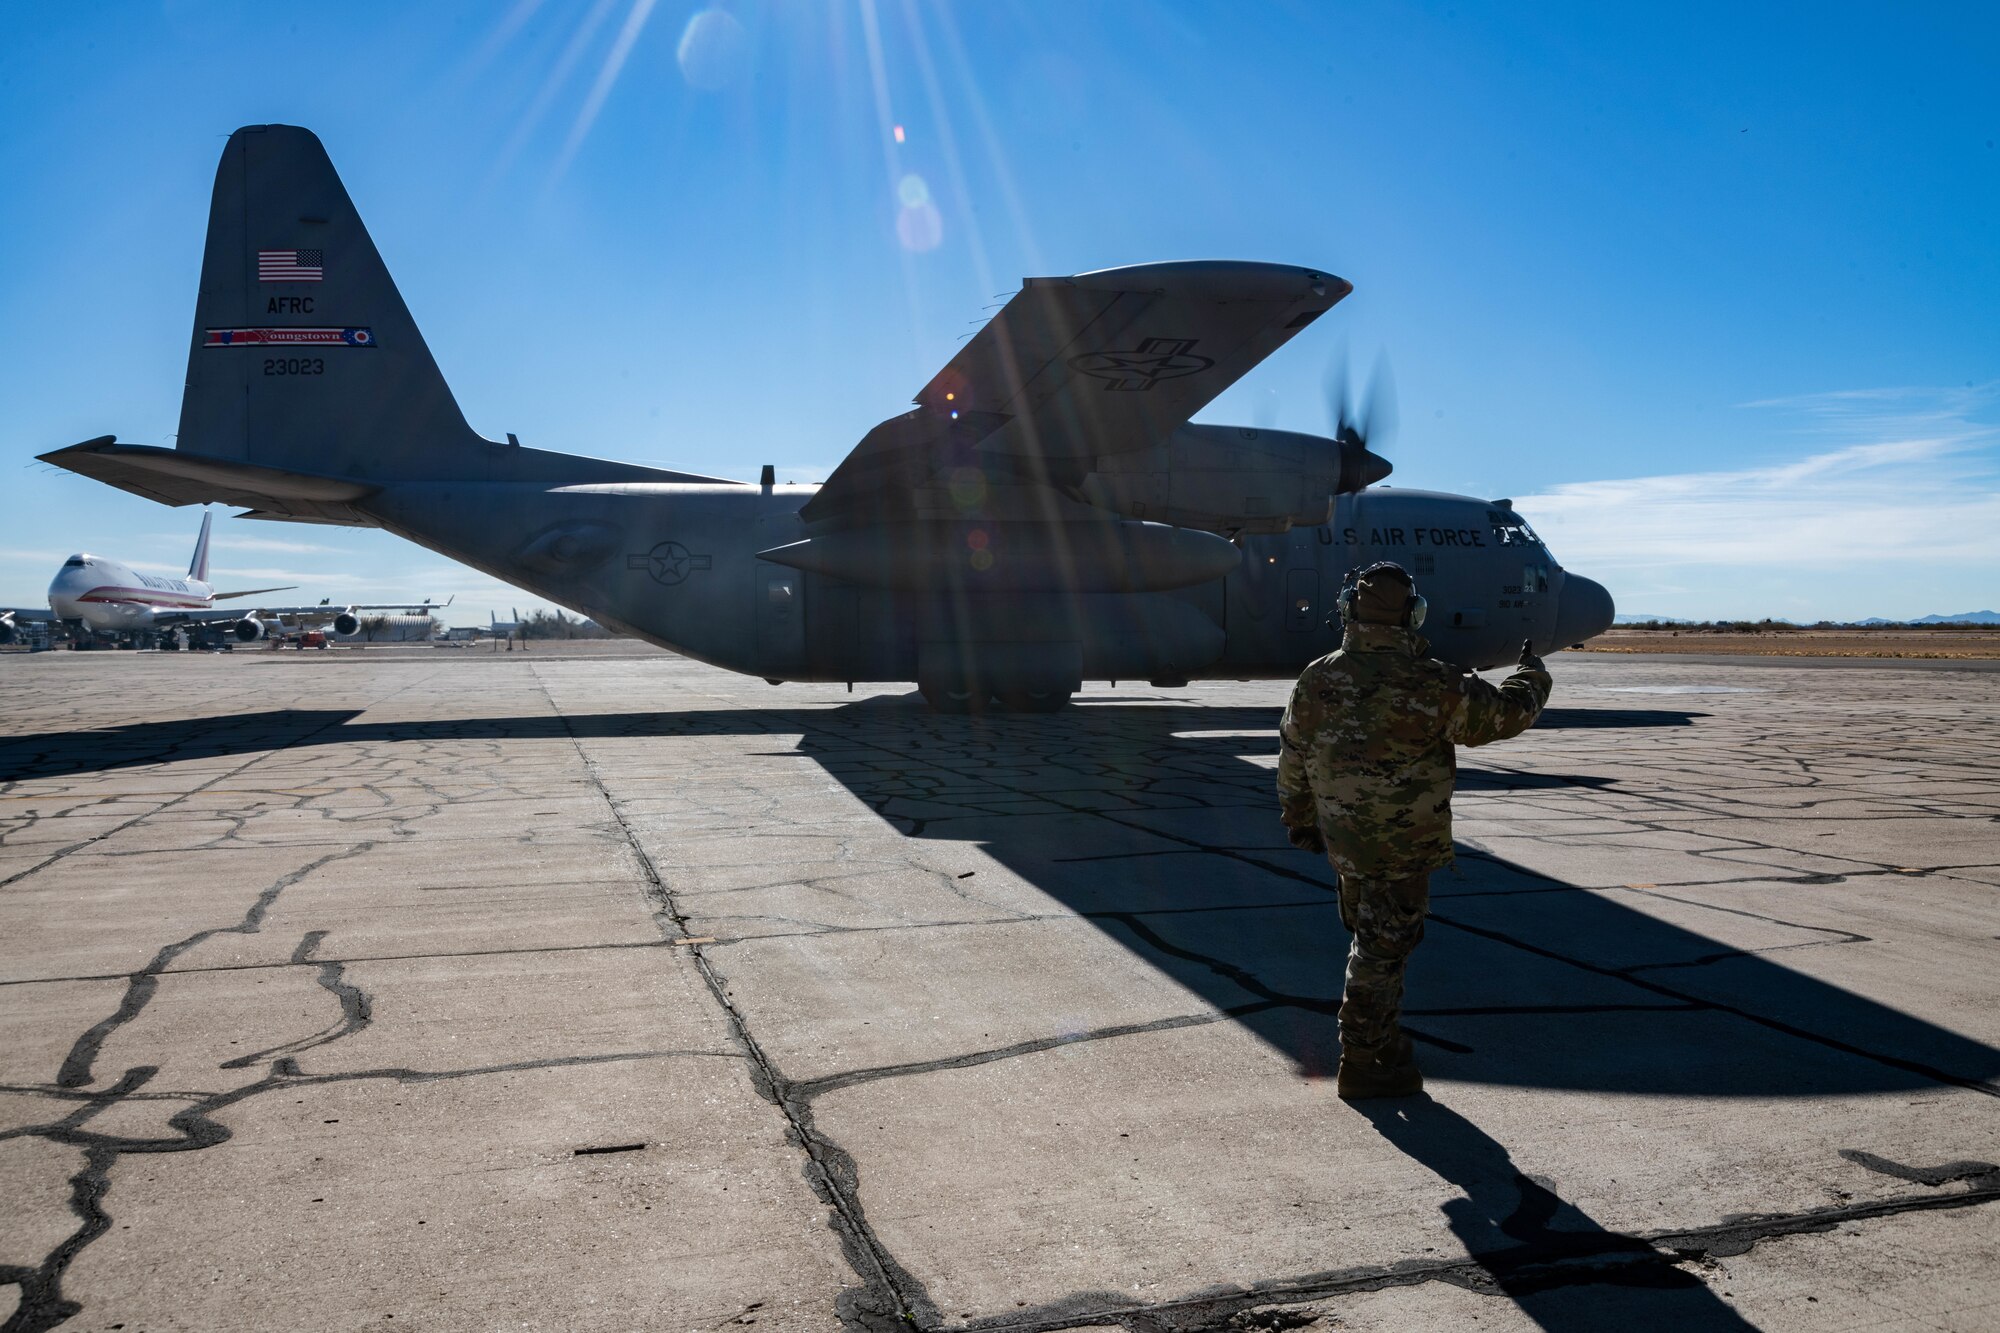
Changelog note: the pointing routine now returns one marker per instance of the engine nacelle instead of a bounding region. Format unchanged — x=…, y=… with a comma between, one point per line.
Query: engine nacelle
x=250, y=629
x=347, y=624
x=1231, y=479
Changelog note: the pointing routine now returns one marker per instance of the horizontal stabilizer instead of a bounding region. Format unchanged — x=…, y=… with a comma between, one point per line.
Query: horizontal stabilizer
x=175, y=477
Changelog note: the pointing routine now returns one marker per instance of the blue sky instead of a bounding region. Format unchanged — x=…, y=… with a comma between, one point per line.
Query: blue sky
x=1711, y=290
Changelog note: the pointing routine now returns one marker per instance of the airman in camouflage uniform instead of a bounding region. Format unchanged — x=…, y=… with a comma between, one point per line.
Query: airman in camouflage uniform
x=1365, y=774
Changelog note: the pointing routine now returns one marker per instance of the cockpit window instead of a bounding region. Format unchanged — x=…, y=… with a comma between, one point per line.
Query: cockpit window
x=1513, y=532
x=74, y=562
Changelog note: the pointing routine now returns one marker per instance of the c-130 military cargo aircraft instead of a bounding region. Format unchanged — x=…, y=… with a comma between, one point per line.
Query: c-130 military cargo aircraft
x=1046, y=514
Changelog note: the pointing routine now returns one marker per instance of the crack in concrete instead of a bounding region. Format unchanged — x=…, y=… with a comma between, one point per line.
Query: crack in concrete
x=429, y=955
x=145, y=982
x=1981, y=1174
x=165, y=755
x=354, y=1008
x=890, y=1297
x=809, y=1089
x=42, y=1303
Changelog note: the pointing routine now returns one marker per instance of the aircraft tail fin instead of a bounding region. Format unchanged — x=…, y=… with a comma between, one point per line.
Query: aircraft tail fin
x=198, y=567
x=309, y=388
x=304, y=356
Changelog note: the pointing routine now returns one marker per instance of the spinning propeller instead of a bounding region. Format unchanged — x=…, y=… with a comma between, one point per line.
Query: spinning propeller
x=1358, y=424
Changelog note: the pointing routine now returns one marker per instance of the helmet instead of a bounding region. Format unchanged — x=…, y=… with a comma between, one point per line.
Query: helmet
x=1382, y=594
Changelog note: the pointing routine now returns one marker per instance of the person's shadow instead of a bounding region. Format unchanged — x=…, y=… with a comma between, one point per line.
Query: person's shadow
x=1565, y=1271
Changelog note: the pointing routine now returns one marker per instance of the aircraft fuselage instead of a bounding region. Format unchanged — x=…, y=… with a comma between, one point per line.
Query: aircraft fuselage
x=111, y=597
x=679, y=565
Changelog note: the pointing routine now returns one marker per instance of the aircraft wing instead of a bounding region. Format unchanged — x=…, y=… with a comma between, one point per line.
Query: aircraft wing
x=1074, y=368
x=12, y=618
x=320, y=614
x=251, y=592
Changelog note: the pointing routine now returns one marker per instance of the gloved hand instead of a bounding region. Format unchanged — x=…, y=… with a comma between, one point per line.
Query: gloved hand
x=1308, y=839
x=1530, y=662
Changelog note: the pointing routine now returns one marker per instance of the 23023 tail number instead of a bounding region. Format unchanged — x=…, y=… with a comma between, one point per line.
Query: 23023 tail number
x=294, y=365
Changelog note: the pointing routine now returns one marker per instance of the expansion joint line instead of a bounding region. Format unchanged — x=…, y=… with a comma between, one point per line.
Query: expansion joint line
x=829, y=1170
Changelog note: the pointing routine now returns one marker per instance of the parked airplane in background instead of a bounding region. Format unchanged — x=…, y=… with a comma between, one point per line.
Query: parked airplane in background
x=106, y=596
x=1047, y=514
x=505, y=629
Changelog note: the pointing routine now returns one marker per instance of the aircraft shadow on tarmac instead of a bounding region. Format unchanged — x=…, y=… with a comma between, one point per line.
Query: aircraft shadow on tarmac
x=1617, y=719
x=1157, y=823
x=58, y=754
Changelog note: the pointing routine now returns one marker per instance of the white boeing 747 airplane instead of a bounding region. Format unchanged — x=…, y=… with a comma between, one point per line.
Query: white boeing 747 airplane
x=106, y=596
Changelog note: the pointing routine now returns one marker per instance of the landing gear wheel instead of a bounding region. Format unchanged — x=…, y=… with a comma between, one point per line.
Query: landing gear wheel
x=1035, y=701
x=944, y=700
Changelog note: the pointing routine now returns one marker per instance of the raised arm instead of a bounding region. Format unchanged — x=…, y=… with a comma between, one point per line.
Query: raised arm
x=1484, y=712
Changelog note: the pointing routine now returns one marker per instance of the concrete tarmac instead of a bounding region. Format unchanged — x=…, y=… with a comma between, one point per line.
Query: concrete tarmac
x=604, y=990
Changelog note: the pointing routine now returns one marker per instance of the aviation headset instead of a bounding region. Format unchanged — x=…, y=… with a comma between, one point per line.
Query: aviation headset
x=1414, y=606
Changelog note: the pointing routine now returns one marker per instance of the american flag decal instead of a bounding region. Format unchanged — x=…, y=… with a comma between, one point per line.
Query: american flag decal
x=290, y=265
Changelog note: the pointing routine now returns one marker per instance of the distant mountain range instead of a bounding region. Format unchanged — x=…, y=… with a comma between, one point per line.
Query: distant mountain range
x=1962, y=618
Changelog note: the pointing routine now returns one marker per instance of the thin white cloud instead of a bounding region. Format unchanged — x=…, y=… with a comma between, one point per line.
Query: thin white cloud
x=223, y=574
x=271, y=544
x=1914, y=481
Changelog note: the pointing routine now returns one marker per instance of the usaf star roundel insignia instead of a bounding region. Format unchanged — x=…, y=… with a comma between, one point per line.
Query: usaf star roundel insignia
x=668, y=563
x=1138, y=370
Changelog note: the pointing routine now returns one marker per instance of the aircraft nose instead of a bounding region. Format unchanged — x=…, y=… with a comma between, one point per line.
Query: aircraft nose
x=1586, y=610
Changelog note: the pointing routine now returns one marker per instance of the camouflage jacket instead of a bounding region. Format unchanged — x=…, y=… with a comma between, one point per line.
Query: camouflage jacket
x=1366, y=752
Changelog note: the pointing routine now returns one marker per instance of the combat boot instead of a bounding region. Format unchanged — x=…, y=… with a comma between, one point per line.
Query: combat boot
x=1388, y=1070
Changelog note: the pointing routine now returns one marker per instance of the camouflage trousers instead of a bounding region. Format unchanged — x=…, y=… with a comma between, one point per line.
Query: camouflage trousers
x=1387, y=919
